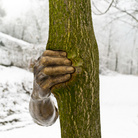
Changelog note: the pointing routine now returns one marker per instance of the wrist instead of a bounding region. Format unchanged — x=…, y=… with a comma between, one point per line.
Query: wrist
x=39, y=93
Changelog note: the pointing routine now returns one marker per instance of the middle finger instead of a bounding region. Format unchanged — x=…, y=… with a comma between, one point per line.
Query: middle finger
x=51, y=61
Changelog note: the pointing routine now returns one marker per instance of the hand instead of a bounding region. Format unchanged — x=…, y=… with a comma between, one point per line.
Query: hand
x=50, y=69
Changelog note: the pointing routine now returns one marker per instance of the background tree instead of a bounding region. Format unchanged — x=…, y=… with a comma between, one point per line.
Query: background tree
x=2, y=12
x=119, y=20
x=118, y=17
x=71, y=30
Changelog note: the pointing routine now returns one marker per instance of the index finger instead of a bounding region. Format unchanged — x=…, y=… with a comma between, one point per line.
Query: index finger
x=55, y=53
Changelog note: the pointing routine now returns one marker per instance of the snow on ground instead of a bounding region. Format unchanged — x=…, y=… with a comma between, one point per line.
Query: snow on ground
x=17, y=52
x=119, y=106
x=15, y=88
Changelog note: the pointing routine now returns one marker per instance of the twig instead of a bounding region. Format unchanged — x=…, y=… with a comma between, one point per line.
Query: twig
x=101, y=13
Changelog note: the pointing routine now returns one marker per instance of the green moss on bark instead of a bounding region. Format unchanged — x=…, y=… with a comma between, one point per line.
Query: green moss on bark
x=71, y=30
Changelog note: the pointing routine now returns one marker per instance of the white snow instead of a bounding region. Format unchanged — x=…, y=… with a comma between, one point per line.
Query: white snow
x=17, y=52
x=12, y=40
x=119, y=106
x=15, y=88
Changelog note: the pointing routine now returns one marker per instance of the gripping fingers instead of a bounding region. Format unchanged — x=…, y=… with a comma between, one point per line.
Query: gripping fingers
x=58, y=70
x=55, y=53
x=51, y=61
x=56, y=80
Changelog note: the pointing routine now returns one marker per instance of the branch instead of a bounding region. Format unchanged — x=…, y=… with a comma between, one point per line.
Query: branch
x=127, y=13
x=101, y=13
x=114, y=19
x=124, y=11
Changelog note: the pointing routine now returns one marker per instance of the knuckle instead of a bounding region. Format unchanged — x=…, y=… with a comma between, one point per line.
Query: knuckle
x=45, y=52
x=67, y=61
x=42, y=60
x=63, y=53
x=46, y=71
x=70, y=69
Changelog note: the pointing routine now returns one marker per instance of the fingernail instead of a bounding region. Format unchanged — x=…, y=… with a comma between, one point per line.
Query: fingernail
x=64, y=54
x=70, y=69
x=67, y=62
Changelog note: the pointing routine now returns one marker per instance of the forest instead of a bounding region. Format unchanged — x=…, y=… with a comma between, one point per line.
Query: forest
x=116, y=30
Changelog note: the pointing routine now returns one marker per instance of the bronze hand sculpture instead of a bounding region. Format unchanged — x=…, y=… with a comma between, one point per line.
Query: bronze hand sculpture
x=52, y=68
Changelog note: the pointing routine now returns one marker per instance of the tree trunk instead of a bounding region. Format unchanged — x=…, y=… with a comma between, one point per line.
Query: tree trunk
x=71, y=30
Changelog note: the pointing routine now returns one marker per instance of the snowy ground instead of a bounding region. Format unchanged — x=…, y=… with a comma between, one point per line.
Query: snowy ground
x=119, y=106
x=15, y=88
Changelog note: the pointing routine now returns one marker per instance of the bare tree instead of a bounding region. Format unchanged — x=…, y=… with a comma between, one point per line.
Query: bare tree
x=120, y=12
x=2, y=12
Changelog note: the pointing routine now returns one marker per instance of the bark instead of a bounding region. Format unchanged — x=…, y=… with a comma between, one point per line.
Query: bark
x=71, y=30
